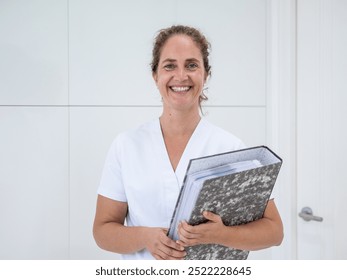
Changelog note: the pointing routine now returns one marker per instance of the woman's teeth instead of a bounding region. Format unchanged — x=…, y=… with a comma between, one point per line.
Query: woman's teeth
x=180, y=89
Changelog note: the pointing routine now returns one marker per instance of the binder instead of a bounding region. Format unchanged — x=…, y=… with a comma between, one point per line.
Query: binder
x=235, y=185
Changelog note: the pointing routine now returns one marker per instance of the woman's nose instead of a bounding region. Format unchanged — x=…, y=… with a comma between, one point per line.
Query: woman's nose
x=181, y=74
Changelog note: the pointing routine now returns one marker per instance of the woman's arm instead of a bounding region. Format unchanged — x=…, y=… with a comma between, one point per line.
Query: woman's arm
x=260, y=234
x=110, y=233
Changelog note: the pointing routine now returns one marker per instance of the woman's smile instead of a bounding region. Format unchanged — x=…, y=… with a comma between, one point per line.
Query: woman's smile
x=180, y=89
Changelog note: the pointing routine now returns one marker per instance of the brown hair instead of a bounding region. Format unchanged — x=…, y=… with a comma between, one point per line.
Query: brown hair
x=194, y=34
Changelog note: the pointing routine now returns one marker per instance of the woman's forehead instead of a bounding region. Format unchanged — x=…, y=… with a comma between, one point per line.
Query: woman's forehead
x=180, y=46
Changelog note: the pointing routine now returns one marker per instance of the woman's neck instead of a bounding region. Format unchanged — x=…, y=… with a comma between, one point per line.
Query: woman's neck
x=179, y=123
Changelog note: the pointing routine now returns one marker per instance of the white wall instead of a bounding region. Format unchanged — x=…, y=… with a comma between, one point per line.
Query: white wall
x=75, y=73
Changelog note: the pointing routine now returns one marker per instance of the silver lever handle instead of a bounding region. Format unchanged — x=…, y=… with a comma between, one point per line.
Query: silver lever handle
x=307, y=214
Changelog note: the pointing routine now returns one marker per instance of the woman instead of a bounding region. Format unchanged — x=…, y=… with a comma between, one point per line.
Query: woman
x=145, y=167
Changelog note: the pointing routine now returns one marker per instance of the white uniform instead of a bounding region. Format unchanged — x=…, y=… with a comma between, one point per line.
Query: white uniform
x=138, y=171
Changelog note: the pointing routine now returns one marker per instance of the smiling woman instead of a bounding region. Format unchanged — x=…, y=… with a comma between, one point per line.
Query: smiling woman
x=195, y=37
x=180, y=75
x=145, y=167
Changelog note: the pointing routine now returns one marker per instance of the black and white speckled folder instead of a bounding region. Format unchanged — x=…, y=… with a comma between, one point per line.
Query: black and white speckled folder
x=239, y=195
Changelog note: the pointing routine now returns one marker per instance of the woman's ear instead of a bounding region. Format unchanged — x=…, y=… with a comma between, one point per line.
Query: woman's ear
x=155, y=77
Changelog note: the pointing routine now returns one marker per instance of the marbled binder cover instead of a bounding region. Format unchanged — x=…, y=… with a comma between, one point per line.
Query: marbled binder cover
x=238, y=198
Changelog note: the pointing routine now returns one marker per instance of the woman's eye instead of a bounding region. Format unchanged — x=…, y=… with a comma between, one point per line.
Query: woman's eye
x=192, y=66
x=169, y=66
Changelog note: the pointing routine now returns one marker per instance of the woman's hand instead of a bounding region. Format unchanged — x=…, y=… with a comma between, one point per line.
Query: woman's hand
x=206, y=233
x=162, y=247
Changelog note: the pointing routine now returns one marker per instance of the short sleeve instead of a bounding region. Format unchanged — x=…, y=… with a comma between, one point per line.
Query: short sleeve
x=111, y=183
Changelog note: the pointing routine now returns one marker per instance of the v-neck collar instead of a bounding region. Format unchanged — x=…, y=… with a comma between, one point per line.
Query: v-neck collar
x=181, y=167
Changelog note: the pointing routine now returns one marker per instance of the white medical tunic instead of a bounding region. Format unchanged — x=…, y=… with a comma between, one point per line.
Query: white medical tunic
x=138, y=171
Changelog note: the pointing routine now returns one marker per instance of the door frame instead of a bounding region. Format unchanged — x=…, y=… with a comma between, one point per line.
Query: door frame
x=281, y=114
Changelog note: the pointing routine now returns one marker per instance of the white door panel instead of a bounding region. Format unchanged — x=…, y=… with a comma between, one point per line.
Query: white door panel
x=34, y=198
x=33, y=53
x=322, y=128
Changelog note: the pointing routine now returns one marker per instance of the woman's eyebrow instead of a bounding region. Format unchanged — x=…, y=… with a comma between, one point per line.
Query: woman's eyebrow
x=174, y=60
x=169, y=60
x=193, y=60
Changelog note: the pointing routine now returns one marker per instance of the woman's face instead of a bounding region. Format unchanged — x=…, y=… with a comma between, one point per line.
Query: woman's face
x=180, y=75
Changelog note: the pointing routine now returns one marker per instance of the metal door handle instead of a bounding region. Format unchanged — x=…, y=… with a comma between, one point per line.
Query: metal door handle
x=307, y=214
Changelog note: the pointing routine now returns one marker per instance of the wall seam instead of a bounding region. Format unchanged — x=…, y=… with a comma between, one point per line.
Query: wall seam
x=69, y=129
